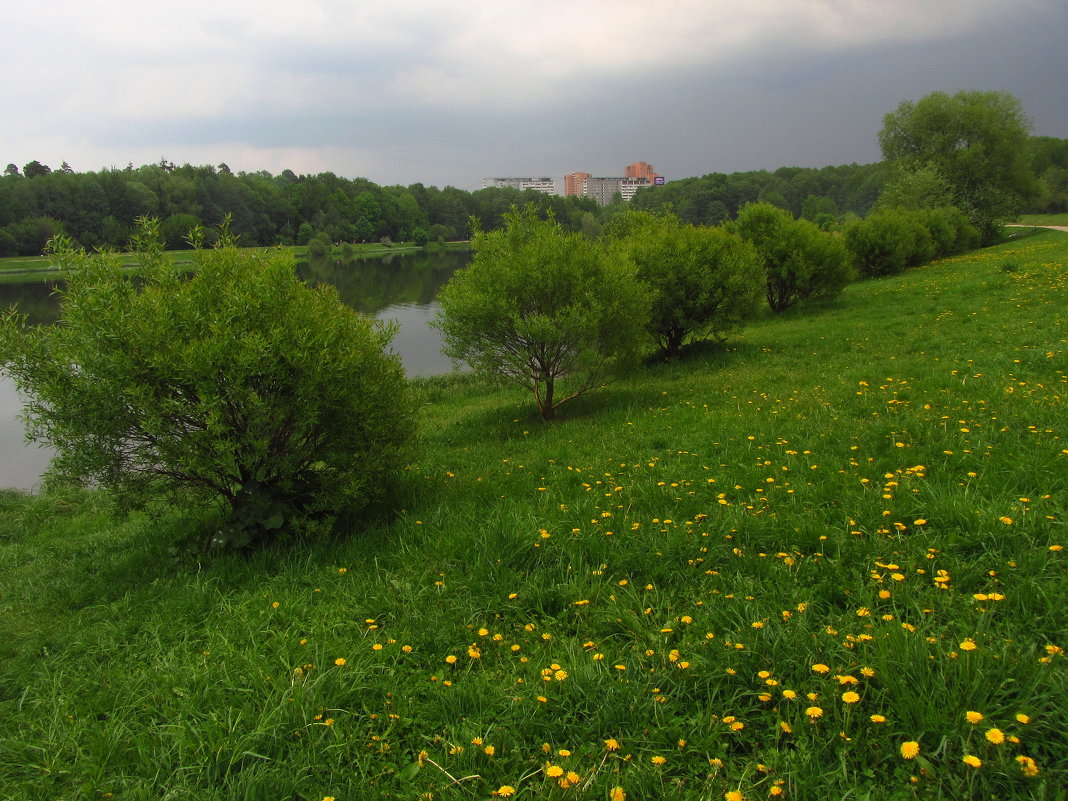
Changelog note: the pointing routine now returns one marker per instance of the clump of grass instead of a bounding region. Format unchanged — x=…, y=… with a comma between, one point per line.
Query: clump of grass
x=825, y=561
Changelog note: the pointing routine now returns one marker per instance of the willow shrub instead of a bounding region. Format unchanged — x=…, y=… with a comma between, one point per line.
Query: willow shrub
x=704, y=282
x=547, y=309
x=235, y=385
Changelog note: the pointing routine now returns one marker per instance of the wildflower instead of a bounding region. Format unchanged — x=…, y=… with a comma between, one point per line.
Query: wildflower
x=617, y=794
x=850, y=697
x=1027, y=765
x=785, y=727
x=972, y=761
x=789, y=695
x=554, y=771
x=376, y=647
x=733, y=795
x=504, y=791
x=910, y=749
x=611, y=744
x=340, y=661
x=878, y=718
x=1022, y=718
x=450, y=659
x=821, y=668
x=995, y=736
x=658, y=760
x=489, y=750
x=968, y=644
x=814, y=712
x=573, y=777
x=1006, y=520
x=973, y=717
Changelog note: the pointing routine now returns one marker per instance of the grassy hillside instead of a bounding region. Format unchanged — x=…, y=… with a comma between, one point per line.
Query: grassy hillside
x=823, y=562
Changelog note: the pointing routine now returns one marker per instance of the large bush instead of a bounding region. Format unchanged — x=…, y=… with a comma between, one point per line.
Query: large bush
x=237, y=385
x=544, y=308
x=705, y=282
x=891, y=240
x=800, y=260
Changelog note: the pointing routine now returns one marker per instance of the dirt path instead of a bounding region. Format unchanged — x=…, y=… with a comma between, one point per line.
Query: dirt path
x=1025, y=225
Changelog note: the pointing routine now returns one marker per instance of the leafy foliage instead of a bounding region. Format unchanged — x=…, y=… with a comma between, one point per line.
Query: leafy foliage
x=889, y=241
x=542, y=307
x=800, y=260
x=975, y=142
x=237, y=384
x=705, y=281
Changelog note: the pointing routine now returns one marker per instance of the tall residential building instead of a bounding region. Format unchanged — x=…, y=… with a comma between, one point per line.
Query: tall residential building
x=641, y=169
x=573, y=183
x=603, y=190
x=546, y=185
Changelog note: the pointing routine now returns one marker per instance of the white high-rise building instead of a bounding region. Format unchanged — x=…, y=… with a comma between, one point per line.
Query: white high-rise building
x=546, y=185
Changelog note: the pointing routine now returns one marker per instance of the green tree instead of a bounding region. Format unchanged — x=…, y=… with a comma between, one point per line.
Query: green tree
x=542, y=307
x=975, y=142
x=800, y=260
x=705, y=281
x=238, y=386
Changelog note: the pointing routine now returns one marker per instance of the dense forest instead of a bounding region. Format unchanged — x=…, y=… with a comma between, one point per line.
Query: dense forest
x=98, y=209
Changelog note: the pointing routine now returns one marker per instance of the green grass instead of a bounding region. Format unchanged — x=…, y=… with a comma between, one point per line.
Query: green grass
x=1044, y=219
x=872, y=485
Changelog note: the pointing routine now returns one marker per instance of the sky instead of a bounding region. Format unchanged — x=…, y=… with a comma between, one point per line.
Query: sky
x=447, y=92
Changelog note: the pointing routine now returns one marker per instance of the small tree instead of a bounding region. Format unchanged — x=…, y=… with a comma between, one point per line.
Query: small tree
x=705, y=281
x=542, y=307
x=800, y=260
x=236, y=385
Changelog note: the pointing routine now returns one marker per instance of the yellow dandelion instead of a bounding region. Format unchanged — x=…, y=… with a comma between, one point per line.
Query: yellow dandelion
x=554, y=771
x=1022, y=718
x=850, y=697
x=450, y=659
x=973, y=717
x=611, y=744
x=995, y=736
x=504, y=791
x=968, y=644
x=910, y=749
x=878, y=718
x=972, y=761
x=733, y=795
x=617, y=794
x=814, y=712
x=658, y=760
x=1027, y=765
x=340, y=661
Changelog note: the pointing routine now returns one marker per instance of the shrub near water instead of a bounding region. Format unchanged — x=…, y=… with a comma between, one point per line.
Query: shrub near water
x=238, y=385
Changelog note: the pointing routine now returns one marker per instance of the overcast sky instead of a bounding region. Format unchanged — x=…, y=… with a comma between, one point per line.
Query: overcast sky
x=450, y=91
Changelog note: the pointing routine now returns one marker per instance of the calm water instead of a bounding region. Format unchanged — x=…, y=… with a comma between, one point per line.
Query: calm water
x=398, y=286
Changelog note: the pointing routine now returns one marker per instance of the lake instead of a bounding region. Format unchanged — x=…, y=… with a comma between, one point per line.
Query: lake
x=396, y=286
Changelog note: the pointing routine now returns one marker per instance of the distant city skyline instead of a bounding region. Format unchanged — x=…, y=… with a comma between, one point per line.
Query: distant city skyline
x=445, y=93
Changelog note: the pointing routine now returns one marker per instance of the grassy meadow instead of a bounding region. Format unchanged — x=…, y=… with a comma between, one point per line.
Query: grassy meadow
x=824, y=561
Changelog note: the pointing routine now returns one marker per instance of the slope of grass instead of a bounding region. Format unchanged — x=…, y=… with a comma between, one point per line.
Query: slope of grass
x=824, y=562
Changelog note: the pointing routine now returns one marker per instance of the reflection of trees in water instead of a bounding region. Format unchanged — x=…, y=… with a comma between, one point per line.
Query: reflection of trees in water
x=372, y=284
x=367, y=284
x=36, y=299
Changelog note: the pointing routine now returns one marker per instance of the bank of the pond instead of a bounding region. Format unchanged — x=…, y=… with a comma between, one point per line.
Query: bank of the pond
x=827, y=560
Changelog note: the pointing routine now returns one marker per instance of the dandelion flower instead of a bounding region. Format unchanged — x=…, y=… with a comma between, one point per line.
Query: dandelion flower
x=450, y=659
x=968, y=645
x=878, y=718
x=611, y=744
x=814, y=712
x=1022, y=718
x=973, y=717
x=504, y=791
x=850, y=697
x=554, y=771
x=910, y=749
x=821, y=668
x=340, y=661
x=1027, y=765
x=972, y=761
x=995, y=736
x=617, y=794
x=733, y=795
x=658, y=760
